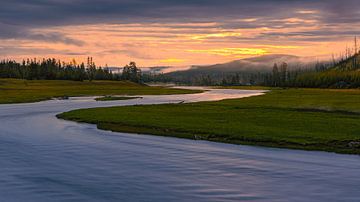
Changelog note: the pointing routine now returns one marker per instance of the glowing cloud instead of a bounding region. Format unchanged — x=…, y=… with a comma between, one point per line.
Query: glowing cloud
x=172, y=60
x=280, y=47
x=307, y=11
x=215, y=35
x=232, y=51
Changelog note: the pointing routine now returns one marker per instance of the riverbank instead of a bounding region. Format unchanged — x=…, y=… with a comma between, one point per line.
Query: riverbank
x=308, y=119
x=24, y=91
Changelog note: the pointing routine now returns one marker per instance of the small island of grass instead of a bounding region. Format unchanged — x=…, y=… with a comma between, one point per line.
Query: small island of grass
x=115, y=98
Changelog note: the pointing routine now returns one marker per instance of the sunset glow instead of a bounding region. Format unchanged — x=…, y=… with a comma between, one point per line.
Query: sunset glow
x=205, y=37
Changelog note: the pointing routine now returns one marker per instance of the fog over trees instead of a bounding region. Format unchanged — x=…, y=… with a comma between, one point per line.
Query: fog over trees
x=343, y=72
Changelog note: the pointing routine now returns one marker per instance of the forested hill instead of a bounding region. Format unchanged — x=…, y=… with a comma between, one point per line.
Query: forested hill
x=238, y=72
x=343, y=74
x=350, y=64
x=262, y=63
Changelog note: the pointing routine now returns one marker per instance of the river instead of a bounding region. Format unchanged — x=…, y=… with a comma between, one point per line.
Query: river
x=43, y=158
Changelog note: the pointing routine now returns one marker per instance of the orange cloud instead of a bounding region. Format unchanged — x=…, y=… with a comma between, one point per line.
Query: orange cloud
x=215, y=35
x=172, y=60
x=232, y=51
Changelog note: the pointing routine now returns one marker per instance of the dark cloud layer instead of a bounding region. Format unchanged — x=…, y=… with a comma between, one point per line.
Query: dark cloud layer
x=64, y=12
x=19, y=17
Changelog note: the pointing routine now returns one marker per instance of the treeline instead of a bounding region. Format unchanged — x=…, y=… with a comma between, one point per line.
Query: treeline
x=52, y=69
x=209, y=79
x=157, y=78
x=342, y=74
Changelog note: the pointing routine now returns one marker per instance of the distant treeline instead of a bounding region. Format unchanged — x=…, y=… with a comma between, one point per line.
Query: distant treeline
x=52, y=69
x=344, y=73
x=281, y=75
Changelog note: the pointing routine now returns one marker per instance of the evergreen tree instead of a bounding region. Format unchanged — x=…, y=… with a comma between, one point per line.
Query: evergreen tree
x=275, y=75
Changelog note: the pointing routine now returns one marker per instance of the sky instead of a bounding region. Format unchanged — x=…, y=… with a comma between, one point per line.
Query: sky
x=175, y=32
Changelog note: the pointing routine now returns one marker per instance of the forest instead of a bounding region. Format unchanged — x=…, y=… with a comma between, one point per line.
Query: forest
x=52, y=69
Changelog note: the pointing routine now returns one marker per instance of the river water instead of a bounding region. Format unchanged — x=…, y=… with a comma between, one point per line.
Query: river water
x=46, y=159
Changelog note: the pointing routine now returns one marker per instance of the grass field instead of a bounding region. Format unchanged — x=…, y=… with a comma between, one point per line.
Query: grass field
x=21, y=91
x=311, y=119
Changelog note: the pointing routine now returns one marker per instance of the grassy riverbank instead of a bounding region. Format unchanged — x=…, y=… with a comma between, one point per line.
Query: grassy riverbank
x=21, y=91
x=310, y=119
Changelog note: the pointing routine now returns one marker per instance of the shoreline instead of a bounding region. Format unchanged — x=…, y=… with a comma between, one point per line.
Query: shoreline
x=140, y=130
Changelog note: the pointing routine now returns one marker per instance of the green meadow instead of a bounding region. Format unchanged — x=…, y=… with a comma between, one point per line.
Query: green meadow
x=22, y=91
x=309, y=119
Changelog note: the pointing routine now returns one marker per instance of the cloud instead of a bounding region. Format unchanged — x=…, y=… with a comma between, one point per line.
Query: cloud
x=232, y=51
x=53, y=38
x=215, y=35
x=24, y=15
x=25, y=33
x=171, y=60
x=36, y=51
x=129, y=51
x=64, y=12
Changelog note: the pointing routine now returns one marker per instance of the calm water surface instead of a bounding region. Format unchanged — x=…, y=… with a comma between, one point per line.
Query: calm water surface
x=46, y=159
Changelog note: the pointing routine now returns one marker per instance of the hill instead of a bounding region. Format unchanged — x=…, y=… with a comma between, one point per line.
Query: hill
x=261, y=63
x=344, y=74
x=253, y=64
x=244, y=67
